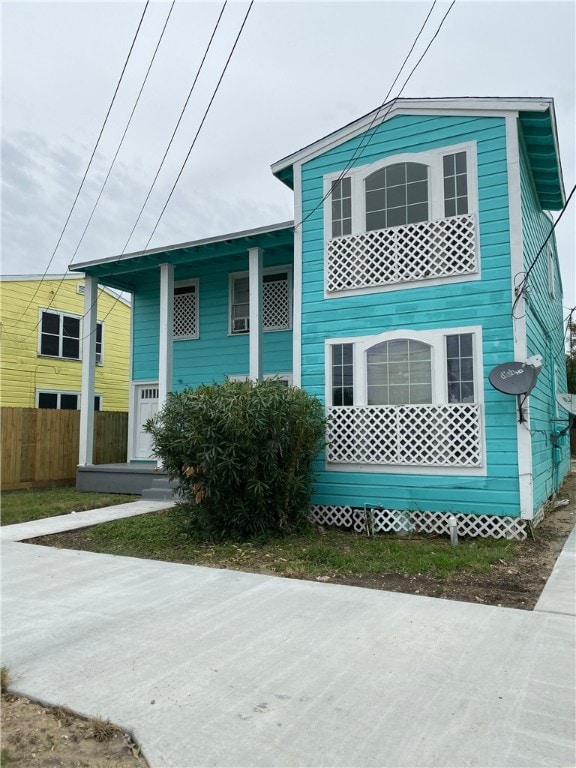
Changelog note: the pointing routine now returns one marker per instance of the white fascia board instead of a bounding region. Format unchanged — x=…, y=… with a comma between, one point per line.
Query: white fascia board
x=44, y=278
x=464, y=107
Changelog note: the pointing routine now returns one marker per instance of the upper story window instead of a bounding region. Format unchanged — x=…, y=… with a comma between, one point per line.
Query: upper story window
x=405, y=219
x=186, y=305
x=276, y=300
x=399, y=372
x=60, y=336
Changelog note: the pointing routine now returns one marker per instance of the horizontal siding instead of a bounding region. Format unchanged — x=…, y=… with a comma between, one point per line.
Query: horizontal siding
x=421, y=308
x=545, y=336
x=23, y=370
x=215, y=354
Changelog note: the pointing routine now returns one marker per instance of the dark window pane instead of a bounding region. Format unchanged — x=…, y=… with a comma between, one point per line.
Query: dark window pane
x=68, y=402
x=467, y=392
x=462, y=205
x=416, y=172
x=377, y=180
x=337, y=397
x=450, y=208
x=50, y=323
x=375, y=201
x=452, y=346
x=448, y=165
x=99, y=333
x=337, y=376
x=348, y=396
x=460, y=162
x=453, y=370
x=466, y=369
x=348, y=375
x=461, y=186
x=465, y=344
x=337, y=351
x=449, y=187
x=97, y=403
x=347, y=208
x=395, y=174
x=50, y=345
x=71, y=348
x=417, y=213
x=396, y=217
x=417, y=192
x=347, y=354
x=71, y=327
x=395, y=196
x=375, y=221
x=47, y=400
x=336, y=229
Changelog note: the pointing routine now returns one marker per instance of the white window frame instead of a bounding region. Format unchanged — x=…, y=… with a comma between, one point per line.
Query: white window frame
x=59, y=392
x=437, y=340
x=434, y=160
x=232, y=276
x=185, y=284
x=99, y=356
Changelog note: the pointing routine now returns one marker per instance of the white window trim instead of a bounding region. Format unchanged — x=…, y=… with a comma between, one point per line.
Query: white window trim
x=434, y=160
x=185, y=284
x=44, y=391
x=266, y=271
x=60, y=313
x=437, y=340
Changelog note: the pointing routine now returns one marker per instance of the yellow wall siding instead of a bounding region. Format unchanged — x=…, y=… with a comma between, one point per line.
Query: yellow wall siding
x=23, y=370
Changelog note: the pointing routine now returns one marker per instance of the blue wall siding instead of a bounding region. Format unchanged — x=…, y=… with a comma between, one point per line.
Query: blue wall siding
x=485, y=302
x=545, y=336
x=215, y=354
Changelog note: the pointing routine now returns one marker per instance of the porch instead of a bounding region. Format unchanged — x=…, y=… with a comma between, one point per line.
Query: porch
x=141, y=479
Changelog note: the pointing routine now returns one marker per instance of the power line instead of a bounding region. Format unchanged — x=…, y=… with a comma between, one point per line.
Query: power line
x=177, y=126
x=367, y=136
x=125, y=131
x=89, y=162
x=524, y=282
x=206, y=111
x=201, y=122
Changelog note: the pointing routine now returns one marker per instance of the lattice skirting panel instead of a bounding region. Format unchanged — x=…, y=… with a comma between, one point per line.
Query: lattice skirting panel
x=404, y=521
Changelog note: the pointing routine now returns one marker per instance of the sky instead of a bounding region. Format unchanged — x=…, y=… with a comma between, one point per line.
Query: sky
x=300, y=70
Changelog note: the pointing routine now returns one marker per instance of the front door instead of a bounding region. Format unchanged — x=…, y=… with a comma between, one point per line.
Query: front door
x=146, y=407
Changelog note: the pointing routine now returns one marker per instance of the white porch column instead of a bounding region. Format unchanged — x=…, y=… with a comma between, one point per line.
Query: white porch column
x=255, y=280
x=166, y=332
x=88, y=370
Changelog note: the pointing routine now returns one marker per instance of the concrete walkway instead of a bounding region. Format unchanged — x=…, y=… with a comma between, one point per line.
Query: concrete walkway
x=210, y=667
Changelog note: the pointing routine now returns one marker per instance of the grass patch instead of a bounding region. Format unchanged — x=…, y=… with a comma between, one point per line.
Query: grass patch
x=161, y=536
x=22, y=506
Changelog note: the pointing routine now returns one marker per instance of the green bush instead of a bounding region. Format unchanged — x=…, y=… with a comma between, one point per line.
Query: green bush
x=243, y=454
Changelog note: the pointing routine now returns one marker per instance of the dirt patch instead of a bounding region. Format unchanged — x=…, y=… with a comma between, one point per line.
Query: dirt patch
x=55, y=737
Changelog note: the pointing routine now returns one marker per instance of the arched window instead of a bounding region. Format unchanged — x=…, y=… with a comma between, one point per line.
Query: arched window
x=399, y=372
x=397, y=195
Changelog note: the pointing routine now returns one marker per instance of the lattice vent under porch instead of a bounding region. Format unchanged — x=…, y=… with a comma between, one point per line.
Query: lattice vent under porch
x=405, y=521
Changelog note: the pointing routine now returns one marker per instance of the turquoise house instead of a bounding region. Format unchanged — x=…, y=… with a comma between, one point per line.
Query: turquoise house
x=419, y=259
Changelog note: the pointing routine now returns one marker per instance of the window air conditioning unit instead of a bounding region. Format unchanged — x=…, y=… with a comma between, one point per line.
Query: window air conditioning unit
x=240, y=324
x=98, y=358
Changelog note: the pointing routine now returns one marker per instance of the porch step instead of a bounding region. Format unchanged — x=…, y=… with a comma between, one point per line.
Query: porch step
x=162, y=489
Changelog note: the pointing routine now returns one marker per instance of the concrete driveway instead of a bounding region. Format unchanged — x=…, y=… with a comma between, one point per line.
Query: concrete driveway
x=210, y=667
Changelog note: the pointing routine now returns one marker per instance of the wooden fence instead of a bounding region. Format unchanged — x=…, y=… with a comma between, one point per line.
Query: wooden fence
x=40, y=445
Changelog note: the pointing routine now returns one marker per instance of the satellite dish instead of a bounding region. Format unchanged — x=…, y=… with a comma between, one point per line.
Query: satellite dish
x=568, y=402
x=514, y=378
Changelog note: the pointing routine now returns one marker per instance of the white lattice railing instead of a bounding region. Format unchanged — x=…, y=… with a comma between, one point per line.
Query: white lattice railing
x=413, y=435
x=379, y=520
x=422, y=251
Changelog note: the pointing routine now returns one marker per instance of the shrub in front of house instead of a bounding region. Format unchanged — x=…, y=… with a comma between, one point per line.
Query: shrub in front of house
x=243, y=454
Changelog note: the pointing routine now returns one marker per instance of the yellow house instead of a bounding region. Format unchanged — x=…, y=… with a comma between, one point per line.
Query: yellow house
x=41, y=343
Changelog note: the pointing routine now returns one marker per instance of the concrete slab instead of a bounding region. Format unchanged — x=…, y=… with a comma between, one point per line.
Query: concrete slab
x=559, y=594
x=210, y=667
x=74, y=520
